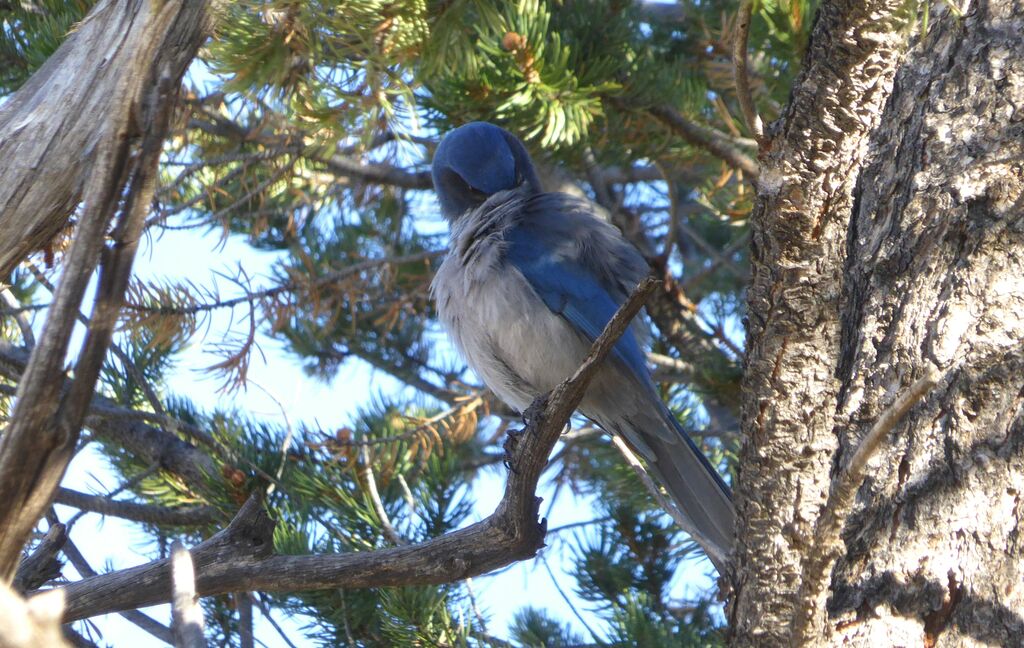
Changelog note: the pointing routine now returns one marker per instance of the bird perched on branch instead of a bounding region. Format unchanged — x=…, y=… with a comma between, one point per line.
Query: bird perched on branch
x=529, y=282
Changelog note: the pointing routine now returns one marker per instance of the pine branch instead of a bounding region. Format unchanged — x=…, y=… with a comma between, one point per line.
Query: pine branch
x=147, y=623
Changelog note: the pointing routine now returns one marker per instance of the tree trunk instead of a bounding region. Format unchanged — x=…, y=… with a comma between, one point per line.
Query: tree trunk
x=50, y=128
x=855, y=296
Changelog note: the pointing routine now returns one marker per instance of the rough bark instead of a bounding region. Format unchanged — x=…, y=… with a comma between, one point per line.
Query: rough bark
x=50, y=130
x=805, y=193
x=933, y=556
x=908, y=258
x=140, y=92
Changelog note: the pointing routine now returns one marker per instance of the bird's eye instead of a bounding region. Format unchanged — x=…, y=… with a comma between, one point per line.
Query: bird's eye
x=472, y=192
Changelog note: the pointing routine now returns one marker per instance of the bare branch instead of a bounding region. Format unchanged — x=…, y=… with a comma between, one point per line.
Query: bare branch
x=713, y=141
x=366, y=474
x=187, y=615
x=827, y=545
x=42, y=565
x=741, y=76
x=240, y=558
x=144, y=621
x=148, y=513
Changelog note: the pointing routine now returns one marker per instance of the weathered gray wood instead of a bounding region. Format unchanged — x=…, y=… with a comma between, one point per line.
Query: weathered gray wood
x=50, y=129
x=132, y=59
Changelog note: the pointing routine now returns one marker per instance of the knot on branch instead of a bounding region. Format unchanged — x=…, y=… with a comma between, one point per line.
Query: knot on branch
x=250, y=535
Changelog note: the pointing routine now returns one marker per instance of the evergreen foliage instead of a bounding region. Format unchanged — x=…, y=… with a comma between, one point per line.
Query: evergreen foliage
x=307, y=132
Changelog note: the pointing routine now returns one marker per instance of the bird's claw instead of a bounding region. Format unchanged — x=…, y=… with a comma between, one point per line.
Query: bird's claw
x=511, y=441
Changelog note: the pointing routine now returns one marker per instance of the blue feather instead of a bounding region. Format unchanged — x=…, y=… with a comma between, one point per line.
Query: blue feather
x=571, y=290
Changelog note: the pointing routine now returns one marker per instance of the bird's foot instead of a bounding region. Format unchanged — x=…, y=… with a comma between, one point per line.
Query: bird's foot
x=530, y=417
x=511, y=441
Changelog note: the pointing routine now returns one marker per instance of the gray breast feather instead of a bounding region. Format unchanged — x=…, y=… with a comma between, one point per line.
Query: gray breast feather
x=518, y=347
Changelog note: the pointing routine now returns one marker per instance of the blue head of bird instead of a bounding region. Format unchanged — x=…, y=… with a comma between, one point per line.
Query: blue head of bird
x=476, y=161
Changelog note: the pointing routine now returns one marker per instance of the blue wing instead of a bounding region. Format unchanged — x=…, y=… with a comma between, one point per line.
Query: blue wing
x=549, y=256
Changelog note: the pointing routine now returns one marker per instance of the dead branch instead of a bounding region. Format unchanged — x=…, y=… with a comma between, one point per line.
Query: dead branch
x=740, y=74
x=827, y=545
x=42, y=565
x=49, y=135
x=241, y=558
x=143, y=621
x=190, y=516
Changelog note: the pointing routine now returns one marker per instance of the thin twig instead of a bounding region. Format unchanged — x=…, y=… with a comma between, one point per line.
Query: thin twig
x=826, y=545
x=718, y=258
x=366, y=473
x=130, y=483
x=565, y=597
x=185, y=610
x=473, y=606
x=673, y=212
x=741, y=76
x=265, y=609
x=287, y=286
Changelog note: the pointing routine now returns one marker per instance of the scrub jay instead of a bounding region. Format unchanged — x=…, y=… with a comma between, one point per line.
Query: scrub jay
x=530, y=280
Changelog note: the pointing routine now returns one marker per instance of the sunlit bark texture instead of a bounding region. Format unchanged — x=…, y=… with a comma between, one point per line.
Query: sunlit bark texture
x=924, y=269
x=51, y=129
